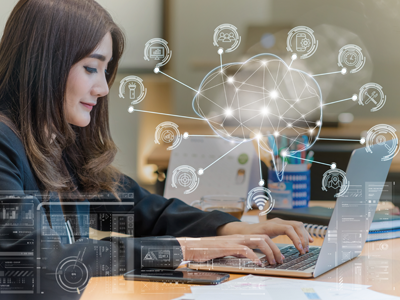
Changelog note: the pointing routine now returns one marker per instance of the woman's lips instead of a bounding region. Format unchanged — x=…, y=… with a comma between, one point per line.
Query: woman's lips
x=88, y=106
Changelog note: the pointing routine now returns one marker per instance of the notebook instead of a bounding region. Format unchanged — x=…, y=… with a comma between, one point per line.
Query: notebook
x=316, y=220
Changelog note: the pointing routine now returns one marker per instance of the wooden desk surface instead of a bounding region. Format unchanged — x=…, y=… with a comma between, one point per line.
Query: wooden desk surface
x=378, y=266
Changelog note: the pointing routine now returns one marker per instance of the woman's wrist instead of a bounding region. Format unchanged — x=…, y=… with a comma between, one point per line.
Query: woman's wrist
x=231, y=228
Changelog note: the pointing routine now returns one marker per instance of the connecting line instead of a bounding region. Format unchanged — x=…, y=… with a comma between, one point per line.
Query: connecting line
x=178, y=81
x=345, y=140
x=347, y=99
x=157, y=113
x=259, y=155
x=203, y=135
x=220, y=59
x=291, y=63
x=223, y=156
x=326, y=73
x=311, y=161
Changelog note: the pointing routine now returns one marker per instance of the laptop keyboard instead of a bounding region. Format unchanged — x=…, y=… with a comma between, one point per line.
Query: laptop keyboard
x=293, y=260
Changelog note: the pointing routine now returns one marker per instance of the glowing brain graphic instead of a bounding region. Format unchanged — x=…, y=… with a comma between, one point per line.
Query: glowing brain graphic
x=262, y=97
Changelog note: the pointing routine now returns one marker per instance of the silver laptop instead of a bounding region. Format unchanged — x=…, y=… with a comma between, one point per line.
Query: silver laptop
x=347, y=231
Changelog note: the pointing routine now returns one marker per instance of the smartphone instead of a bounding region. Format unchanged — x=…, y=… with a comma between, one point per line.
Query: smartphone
x=178, y=276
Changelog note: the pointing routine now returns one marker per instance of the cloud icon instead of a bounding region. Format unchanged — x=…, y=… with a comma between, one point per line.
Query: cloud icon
x=262, y=98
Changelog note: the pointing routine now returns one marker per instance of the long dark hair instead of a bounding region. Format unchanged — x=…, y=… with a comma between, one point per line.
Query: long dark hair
x=42, y=40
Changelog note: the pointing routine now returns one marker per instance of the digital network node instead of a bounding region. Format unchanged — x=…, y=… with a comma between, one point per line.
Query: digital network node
x=335, y=179
x=185, y=176
x=157, y=50
x=383, y=135
x=137, y=91
x=227, y=38
x=169, y=133
x=264, y=99
x=261, y=196
x=301, y=40
x=372, y=94
x=351, y=56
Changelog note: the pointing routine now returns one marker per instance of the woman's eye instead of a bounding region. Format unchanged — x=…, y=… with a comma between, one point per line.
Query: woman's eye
x=91, y=70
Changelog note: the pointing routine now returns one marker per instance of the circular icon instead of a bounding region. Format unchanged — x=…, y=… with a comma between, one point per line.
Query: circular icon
x=384, y=135
x=137, y=91
x=335, y=179
x=261, y=196
x=301, y=40
x=186, y=177
x=226, y=35
x=169, y=133
x=372, y=93
x=72, y=275
x=157, y=49
x=351, y=56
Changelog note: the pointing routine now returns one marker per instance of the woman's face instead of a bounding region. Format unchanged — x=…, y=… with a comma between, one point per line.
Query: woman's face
x=87, y=82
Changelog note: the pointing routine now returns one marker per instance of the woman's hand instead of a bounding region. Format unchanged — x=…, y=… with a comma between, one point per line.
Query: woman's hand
x=272, y=228
x=203, y=249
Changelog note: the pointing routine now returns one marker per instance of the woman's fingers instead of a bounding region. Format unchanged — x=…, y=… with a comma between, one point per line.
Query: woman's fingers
x=267, y=246
x=277, y=253
x=292, y=234
x=299, y=229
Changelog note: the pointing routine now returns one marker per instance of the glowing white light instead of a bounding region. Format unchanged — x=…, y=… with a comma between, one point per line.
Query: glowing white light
x=274, y=94
x=289, y=125
x=265, y=111
x=261, y=182
x=343, y=71
x=228, y=112
x=220, y=51
x=302, y=116
x=311, y=131
x=131, y=109
x=230, y=79
x=294, y=56
x=237, y=90
x=264, y=62
x=318, y=123
x=355, y=97
x=297, y=100
x=284, y=153
x=185, y=135
x=276, y=133
x=156, y=70
x=200, y=171
x=259, y=136
x=280, y=117
x=333, y=166
x=362, y=141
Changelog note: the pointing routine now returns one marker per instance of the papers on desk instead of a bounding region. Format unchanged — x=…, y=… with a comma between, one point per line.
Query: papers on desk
x=275, y=288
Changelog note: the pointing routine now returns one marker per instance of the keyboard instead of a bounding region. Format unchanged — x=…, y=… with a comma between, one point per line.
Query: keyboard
x=293, y=260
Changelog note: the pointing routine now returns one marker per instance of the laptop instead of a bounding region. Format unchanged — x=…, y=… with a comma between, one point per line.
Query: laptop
x=347, y=230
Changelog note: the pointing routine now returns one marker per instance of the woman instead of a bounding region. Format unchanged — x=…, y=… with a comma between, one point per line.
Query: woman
x=58, y=61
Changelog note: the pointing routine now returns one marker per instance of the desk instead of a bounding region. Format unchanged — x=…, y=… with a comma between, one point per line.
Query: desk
x=378, y=266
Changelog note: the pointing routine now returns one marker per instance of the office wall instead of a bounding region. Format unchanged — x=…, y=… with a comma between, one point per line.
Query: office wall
x=374, y=25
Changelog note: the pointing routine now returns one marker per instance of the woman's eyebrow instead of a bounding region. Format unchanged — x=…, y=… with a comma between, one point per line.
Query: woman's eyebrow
x=99, y=57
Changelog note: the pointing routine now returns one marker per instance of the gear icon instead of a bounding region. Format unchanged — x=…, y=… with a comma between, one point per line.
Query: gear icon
x=306, y=42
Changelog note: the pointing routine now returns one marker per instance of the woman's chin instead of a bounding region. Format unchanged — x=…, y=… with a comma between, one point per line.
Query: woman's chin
x=81, y=122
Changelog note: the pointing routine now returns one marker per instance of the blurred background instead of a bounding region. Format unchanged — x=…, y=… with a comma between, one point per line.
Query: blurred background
x=188, y=26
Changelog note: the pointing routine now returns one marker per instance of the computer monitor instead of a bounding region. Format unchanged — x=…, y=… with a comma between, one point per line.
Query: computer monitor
x=157, y=52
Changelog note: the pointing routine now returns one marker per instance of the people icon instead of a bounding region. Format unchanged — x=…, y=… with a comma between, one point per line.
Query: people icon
x=226, y=37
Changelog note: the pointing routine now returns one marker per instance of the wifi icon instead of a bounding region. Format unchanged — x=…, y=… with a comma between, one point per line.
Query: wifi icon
x=260, y=201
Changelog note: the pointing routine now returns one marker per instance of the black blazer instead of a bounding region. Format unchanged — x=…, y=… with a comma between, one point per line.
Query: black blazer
x=157, y=221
